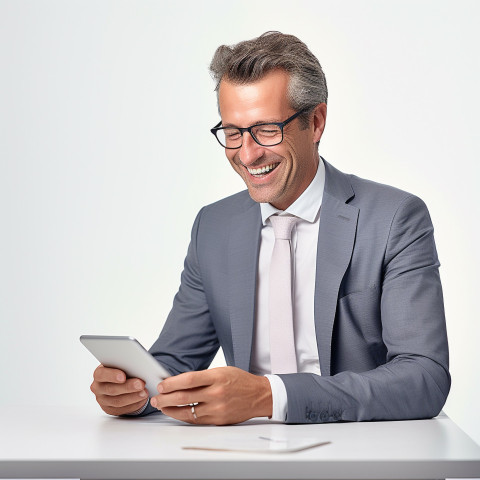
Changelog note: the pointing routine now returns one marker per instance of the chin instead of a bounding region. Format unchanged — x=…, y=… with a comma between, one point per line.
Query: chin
x=255, y=196
x=258, y=197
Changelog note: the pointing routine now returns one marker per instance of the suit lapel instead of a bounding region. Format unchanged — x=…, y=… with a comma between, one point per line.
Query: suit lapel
x=336, y=238
x=244, y=243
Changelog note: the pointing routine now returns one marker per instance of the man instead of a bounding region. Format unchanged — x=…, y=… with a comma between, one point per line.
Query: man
x=363, y=334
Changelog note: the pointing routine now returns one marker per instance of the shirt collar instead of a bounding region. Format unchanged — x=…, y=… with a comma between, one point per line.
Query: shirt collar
x=307, y=205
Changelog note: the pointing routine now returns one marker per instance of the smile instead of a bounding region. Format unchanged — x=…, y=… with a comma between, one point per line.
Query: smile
x=259, y=172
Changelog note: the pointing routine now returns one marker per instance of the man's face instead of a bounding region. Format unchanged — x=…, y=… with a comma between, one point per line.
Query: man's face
x=293, y=163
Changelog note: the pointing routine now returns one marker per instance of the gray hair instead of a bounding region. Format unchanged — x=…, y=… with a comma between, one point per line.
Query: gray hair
x=250, y=60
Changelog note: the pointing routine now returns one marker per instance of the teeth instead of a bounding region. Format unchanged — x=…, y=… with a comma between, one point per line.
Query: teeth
x=259, y=171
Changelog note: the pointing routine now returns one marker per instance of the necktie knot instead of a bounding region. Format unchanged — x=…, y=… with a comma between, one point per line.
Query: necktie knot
x=283, y=226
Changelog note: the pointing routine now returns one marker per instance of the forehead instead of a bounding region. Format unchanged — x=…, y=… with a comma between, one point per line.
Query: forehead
x=263, y=100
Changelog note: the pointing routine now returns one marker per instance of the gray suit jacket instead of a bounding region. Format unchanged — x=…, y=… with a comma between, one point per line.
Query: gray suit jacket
x=379, y=314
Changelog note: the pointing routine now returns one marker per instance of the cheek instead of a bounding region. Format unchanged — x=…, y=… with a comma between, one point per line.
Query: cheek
x=279, y=153
x=231, y=157
x=290, y=154
x=235, y=163
x=297, y=155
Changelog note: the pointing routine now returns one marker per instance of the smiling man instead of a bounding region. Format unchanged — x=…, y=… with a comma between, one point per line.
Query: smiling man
x=280, y=173
x=321, y=288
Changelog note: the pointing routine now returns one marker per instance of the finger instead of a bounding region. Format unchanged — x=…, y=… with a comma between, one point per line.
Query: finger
x=113, y=389
x=185, y=414
x=124, y=400
x=186, y=381
x=179, y=398
x=123, y=410
x=189, y=414
x=109, y=375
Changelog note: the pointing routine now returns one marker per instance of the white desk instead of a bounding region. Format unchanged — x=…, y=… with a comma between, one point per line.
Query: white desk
x=85, y=443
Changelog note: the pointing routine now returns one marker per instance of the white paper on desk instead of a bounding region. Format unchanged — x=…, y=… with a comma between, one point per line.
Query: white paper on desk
x=259, y=445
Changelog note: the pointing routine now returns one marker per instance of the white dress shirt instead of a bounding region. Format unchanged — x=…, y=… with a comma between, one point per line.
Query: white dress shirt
x=304, y=252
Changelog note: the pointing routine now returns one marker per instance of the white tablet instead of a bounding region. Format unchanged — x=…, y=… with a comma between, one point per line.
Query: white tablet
x=127, y=354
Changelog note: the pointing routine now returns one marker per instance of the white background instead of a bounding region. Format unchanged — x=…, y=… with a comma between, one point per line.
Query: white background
x=106, y=157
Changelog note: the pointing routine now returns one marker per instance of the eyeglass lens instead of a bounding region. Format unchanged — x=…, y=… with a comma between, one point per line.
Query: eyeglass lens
x=266, y=135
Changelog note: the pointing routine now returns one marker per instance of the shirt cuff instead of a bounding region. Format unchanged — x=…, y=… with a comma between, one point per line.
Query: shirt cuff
x=139, y=411
x=279, y=397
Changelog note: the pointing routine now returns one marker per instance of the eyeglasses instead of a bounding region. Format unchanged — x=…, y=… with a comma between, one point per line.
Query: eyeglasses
x=265, y=134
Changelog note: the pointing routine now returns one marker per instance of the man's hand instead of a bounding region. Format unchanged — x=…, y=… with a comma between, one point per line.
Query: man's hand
x=224, y=395
x=115, y=394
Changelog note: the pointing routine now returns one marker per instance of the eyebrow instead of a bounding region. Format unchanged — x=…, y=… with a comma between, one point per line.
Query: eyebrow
x=258, y=122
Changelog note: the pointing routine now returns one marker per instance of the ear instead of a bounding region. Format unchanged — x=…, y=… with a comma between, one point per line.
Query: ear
x=319, y=120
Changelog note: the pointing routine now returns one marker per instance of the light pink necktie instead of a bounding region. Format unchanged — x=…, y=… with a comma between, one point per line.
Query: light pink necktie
x=282, y=342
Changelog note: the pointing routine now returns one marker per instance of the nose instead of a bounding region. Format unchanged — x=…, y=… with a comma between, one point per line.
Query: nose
x=250, y=151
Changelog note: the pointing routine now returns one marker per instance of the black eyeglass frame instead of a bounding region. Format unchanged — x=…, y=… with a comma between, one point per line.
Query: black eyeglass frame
x=217, y=127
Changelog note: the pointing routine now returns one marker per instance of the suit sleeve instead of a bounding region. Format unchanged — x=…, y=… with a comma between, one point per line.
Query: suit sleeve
x=414, y=382
x=188, y=340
